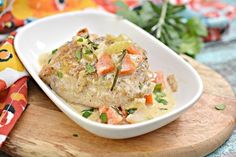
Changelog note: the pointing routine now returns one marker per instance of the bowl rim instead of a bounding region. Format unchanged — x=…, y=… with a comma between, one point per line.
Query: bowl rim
x=72, y=112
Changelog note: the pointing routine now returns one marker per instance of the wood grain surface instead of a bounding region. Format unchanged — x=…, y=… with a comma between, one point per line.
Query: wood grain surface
x=43, y=130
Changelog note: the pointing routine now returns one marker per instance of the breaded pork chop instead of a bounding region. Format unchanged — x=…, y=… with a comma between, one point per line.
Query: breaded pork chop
x=95, y=71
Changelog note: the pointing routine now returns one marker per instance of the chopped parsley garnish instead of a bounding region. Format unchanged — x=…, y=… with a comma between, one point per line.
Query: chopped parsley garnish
x=131, y=110
x=220, y=107
x=159, y=97
x=87, y=51
x=103, y=117
x=157, y=88
x=59, y=74
x=78, y=55
x=80, y=40
x=54, y=51
x=93, y=44
x=89, y=69
x=162, y=101
x=49, y=60
x=140, y=86
x=86, y=113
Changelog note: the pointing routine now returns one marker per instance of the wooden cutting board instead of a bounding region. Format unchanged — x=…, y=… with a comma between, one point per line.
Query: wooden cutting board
x=44, y=130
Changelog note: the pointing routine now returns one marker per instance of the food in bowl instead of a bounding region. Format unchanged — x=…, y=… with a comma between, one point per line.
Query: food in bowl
x=107, y=79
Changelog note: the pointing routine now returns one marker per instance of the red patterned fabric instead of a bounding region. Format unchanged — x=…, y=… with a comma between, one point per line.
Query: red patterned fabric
x=12, y=103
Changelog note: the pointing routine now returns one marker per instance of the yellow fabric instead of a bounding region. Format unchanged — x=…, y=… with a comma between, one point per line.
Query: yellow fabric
x=14, y=62
x=40, y=8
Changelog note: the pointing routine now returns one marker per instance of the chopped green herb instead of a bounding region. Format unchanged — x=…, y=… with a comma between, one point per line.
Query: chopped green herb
x=59, y=74
x=162, y=101
x=90, y=109
x=54, y=51
x=103, y=117
x=220, y=107
x=161, y=94
x=131, y=110
x=49, y=60
x=93, y=44
x=89, y=69
x=78, y=55
x=86, y=114
x=87, y=51
x=140, y=86
x=158, y=88
x=80, y=40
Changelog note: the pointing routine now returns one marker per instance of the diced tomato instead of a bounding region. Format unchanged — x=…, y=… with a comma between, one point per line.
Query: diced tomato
x=149, y=99
x=105, y=64
x=112, y=116
x=102, y=109
x=133, y=50
x=128, y=66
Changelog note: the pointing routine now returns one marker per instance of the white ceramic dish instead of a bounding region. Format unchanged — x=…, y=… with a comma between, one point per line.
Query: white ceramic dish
x=46, y=34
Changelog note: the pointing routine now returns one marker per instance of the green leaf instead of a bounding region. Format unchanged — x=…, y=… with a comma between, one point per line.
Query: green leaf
x=190, y=45
x=180, y=34
x=78, y=55
x=121, y=5
x=59, y=74
x=103, y=117
x=155, y=8
x=130, y=15
x=54, y=51
x=196, y=27
x=131, y=110
x=220, y=107
x=174, y=9
x=89, y=69
x=146, y=14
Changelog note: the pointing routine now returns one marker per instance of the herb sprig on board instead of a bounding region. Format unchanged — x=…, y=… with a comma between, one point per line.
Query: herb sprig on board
x=166, y=24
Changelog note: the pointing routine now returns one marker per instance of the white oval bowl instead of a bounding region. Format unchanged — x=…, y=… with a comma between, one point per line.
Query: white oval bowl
x=49, y=33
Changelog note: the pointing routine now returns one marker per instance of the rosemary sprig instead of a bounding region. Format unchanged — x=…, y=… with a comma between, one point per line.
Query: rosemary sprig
x=118, y=68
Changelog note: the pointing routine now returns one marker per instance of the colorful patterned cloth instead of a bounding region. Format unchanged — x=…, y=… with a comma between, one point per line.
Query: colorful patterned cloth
x=17, y=13
x=13, y=93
